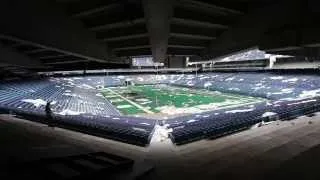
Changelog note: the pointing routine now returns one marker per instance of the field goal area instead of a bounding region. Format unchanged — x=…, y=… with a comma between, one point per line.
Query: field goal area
x=159, y=100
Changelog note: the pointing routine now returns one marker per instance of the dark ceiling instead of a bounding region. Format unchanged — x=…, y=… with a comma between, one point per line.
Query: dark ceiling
x=86, y=34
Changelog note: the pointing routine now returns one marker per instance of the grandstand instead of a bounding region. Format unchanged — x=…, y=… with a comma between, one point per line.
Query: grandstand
x=191, y=107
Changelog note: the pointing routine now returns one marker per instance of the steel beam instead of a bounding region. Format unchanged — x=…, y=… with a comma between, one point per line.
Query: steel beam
x=122, y=24
x=131, y=48
x=35, y=51
x=195, y=23
x=54, y=56
x=185, y=47
x=206, y=7
x=191, y=36
x=95, y=10
x=122, y=38
x=68, y=62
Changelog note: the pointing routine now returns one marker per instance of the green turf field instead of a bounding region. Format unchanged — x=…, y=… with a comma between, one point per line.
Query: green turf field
x=171, y=100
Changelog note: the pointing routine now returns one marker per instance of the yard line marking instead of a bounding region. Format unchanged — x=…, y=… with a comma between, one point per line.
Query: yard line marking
x=129, y=101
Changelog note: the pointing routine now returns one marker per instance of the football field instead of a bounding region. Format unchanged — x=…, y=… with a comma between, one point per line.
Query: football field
x=171, y=100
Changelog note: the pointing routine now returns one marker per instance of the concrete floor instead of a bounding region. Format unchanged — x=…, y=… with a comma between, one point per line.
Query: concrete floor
x=280, y=150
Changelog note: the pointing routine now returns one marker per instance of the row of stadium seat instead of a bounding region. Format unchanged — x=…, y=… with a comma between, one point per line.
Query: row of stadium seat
x=218, y=123
x=74, y=108
x=214, y=124
x=267, y=85
x=131, y=130
x=260, y=85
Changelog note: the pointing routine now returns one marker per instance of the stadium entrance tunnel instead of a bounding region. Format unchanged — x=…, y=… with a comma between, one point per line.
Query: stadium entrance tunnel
x=184, y=108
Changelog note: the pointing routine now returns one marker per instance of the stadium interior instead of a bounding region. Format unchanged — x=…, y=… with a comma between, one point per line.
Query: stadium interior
x=159, y=89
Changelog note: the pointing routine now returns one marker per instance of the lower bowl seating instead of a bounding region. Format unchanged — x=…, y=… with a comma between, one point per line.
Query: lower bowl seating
x=77, y=104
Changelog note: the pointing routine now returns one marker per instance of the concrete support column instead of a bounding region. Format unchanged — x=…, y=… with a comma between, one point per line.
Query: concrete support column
x=158, y=14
